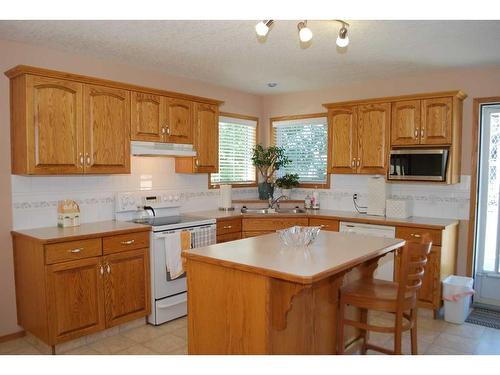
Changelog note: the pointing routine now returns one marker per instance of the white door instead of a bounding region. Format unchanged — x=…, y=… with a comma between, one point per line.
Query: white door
x=487, y=277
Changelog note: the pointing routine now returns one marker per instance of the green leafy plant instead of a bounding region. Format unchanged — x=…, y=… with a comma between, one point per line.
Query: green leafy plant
x=269, y=160
x=288, y=181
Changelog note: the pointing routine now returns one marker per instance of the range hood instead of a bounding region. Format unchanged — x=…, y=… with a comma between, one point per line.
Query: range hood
x=139, y=148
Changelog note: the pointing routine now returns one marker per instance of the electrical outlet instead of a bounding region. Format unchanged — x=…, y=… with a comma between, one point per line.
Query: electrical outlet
x=355, y=196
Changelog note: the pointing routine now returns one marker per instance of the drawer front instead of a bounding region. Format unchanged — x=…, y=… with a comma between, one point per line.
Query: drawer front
x=124, y=242
x=325, y=224
x=408, y=233
x=228, y=226
x=228, y=237
x=72, y=250
x=272, y=224
x=255, y=234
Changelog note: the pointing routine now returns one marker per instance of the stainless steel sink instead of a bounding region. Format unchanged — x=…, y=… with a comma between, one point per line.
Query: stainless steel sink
x=245, y=210
x=295, y=210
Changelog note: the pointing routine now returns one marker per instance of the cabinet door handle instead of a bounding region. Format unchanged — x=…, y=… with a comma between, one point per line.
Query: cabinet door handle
x=167, y=130
x=353, y=162
x=422, y=132
x=75, y=251
x=101, y=269
x=108, y=268
x=81, y=159
x=416, y=235
x=129, y=242
x=416, y=133
x=227, y=227
x=197, y=162
x=358, y=162
x=163, y=130
x=88, y=158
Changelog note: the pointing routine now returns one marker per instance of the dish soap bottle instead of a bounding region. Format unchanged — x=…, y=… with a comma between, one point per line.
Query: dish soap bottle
x=307, y=202
x=315, y=200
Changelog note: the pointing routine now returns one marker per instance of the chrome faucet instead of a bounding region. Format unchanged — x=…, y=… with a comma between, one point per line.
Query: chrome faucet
x=273, y=202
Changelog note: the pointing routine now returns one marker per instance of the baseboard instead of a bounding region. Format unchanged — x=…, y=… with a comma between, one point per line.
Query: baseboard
x=12, y=336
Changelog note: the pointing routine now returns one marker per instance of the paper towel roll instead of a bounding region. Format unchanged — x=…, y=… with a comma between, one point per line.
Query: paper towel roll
x=376, y=196
x=225, y=197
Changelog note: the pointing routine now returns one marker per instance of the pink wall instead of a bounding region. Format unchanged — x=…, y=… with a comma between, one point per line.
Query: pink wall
x=15, y=53
x=474, y=82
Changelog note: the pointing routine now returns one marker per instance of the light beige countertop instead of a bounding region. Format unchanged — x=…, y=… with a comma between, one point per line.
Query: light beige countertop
x=413, y=221
x=86, y=230
x=331, y=253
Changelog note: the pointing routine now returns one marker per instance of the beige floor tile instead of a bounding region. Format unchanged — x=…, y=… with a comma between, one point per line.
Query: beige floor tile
x=179, y=351
x=83, y=350
x=466, y=330
x=113, y=344
x=173, y=325
x=137, y=350
x=26, y=350
x=143, y=334
x=165, y=344
x=13, y=345
x=181, y=332
x=435, y=349
x=491, y=333
x=457, y=343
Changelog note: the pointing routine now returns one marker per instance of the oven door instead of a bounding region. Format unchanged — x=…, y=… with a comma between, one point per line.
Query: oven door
x=418, y=164
x=163, y=284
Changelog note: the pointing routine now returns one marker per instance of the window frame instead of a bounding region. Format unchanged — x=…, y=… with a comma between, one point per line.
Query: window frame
x=308, y=185
x=246, y=184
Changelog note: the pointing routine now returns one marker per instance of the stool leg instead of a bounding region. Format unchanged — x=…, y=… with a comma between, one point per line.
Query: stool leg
x=398, y=333
x=413, y=332
x=364, y=333
x=340, y=328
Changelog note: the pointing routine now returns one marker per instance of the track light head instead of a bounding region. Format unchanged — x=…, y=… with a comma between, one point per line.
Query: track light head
x=262, y=28
x=343, y=39
x=305, y=33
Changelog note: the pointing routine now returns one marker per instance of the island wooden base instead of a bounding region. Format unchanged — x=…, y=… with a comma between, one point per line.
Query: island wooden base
x=232, y=311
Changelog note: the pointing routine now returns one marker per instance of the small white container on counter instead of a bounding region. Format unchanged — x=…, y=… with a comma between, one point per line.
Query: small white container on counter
x=398, y=208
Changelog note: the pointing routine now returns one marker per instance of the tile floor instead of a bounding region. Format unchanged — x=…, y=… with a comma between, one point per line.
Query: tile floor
x=434, y=337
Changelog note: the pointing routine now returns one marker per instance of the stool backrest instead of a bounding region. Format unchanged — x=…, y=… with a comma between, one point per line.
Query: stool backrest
x=412, y=267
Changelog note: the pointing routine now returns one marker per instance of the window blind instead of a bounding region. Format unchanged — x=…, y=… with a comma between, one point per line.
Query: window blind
x=237, y=137
x=306, y=144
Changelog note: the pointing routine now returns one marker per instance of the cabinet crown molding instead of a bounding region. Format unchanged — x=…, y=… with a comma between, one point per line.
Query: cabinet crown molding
x=456, y=93
x=27, y=69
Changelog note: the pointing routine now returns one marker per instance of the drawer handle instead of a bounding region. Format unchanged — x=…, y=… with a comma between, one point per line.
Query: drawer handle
x=324, y=226
x=129, y=242
x=75, y=251
x=416, y=235
x=227, y=227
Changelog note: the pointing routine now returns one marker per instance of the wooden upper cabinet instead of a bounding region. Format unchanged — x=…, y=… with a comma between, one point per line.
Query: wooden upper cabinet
x=75, y=299
x=179, y=124
x=126, y=285
x=436, y=121
x=106, y=122
x=373, y=138
x=405, y=123
x=53, y=129
x=342, y=135
x=147, y=117
x=206, y=139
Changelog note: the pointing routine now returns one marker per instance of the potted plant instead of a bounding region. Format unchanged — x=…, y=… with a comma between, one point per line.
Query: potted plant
x=287, y=182
x=267, y=161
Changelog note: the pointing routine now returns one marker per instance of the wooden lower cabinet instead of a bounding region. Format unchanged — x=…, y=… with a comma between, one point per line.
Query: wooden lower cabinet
x=126, y=284
x=229, y=237
x=62, y=298
x=75, y=299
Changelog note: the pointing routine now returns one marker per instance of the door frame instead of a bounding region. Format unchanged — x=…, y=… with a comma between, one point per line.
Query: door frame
x=476, y=129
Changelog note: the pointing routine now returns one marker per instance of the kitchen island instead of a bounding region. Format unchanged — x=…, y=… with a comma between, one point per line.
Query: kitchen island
x=253, y=296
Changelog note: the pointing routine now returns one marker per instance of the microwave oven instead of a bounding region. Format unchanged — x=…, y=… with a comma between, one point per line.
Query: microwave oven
x=418, y=164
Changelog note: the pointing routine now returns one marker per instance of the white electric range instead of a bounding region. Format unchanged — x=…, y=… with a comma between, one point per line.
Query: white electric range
x=168, y=296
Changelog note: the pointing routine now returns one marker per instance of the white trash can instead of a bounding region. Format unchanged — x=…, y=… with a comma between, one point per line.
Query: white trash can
x=457, y=294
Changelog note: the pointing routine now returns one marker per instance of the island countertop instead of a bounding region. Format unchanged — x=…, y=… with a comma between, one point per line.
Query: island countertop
x=331, y=253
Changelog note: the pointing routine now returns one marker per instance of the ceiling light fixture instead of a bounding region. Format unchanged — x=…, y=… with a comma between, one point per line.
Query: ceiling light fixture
x=343, y=39
x=305, y=33
x=262, y=28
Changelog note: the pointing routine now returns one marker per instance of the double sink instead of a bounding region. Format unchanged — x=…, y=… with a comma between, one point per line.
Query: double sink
x=295, y=210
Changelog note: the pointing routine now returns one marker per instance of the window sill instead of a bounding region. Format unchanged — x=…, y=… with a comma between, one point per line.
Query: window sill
x=244, y=185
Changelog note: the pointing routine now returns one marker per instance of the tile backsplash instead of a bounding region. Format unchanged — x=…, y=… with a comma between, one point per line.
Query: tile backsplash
x=35, y=198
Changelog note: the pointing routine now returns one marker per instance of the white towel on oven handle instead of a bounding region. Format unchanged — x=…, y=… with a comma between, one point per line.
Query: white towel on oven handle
x=173, y=254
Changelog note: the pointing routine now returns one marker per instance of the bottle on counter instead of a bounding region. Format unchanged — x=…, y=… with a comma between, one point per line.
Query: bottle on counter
x=315, y=200
x=307, y=202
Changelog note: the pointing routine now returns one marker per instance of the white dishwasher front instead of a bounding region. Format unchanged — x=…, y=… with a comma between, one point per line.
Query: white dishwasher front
x=385, y=269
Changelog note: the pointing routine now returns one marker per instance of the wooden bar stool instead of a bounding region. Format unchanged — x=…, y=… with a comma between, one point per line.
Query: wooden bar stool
x=399, y=298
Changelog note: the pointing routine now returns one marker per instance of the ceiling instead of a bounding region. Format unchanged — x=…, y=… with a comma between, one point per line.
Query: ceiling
x=228, y=53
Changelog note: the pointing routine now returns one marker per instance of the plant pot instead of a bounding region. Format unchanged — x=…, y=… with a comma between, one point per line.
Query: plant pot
x=286, y=193
x=266, y=190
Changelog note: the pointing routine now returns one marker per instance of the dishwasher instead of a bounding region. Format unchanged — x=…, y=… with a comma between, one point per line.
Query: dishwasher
x=385, y=269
